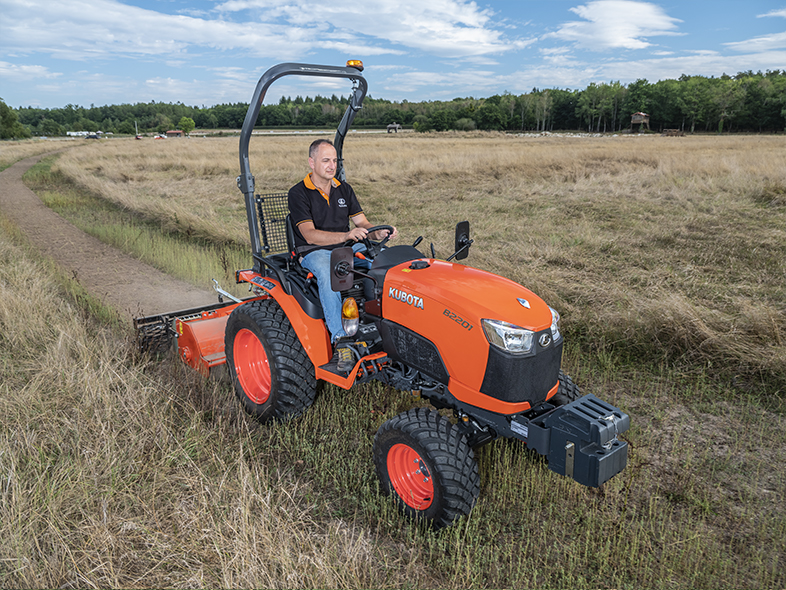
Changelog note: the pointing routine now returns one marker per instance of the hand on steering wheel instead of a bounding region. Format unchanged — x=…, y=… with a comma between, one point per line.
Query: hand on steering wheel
x=373, y=248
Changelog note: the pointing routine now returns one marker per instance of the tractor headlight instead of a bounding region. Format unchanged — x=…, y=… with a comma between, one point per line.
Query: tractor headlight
x=555, y=324
x=508, y=337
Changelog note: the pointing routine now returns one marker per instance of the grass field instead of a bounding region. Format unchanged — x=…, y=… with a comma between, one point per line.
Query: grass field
x=13, y=151
x=664, y=255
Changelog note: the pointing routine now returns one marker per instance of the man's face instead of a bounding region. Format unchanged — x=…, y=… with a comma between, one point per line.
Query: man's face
x=323, y=164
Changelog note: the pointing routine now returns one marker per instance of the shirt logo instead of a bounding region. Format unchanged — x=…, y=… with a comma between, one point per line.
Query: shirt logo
x=342, y=202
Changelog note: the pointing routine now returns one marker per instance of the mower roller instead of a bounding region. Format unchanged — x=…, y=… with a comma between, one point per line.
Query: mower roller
x=483, y=350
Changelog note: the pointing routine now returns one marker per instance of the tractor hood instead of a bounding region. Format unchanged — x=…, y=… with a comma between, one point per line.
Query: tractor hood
x=440, y=305
x=468, y=292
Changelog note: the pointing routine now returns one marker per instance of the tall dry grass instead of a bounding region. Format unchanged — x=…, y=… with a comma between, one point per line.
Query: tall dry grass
x=120, y=474
x=670, y=249
x=115, y=476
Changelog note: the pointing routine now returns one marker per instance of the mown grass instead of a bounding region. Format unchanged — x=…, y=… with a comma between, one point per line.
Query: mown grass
x=145, y=475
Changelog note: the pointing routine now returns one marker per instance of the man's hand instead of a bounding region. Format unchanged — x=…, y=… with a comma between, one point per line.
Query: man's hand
x=356, y=234
x=385, y=233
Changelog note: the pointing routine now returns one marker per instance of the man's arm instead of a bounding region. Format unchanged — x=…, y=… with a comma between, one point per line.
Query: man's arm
x=320, y=237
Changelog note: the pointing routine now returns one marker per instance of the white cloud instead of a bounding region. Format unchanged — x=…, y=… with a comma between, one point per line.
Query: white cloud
x=760, y=44
x=278, y=29
x=440, y=85
x=446, y=28
x=778, y=12
x=764, y=42
x=616, y=24
x=580, y=74
x=17, y=73
x=89, y=29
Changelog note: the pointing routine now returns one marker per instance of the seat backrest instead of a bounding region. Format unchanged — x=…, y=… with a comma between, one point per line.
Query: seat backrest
x=272, y=210
x=290, y=229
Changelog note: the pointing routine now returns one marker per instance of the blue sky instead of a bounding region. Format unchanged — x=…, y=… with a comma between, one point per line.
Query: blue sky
x=203, y=52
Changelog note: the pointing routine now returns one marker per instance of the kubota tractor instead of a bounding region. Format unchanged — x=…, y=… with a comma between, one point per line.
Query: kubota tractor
x=472, y=343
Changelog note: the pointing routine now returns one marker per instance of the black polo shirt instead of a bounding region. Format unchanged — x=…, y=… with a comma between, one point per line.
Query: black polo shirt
x=308, y=203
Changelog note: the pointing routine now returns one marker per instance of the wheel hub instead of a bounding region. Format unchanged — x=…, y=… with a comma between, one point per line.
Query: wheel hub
x=252, y=366
x=410, y=477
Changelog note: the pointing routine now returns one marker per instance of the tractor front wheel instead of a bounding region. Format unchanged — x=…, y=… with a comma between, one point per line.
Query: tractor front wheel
x=272, y=374
x=425, y=463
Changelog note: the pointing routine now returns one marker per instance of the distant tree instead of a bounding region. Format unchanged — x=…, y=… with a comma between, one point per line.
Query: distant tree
x=162, y=123
x=421, y=123
x=442, y=119
x=638, y=98
x=695, y=95
x=126, y=127
x=10, y=127
x=186, y=125
x=49, y=127
x=490, y=116
x=728, y=97
x=464, y=124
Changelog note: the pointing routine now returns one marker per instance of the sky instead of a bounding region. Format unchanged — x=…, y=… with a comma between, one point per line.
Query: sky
x=204, y=52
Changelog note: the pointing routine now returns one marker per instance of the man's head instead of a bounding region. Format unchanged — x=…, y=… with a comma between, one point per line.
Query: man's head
x=322, y=159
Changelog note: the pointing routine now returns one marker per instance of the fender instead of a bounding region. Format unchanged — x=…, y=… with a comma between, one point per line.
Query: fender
x=312, y=333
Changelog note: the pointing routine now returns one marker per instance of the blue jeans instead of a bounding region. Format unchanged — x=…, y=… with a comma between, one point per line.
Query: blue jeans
x=318, y=262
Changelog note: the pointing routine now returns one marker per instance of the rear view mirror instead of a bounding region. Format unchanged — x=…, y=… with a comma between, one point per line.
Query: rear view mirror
x=341, y=265
x=462, y=241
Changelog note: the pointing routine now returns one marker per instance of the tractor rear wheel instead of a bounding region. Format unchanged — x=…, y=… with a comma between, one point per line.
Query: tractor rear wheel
x=425, y=463
x=271, y=373
x=567, y=392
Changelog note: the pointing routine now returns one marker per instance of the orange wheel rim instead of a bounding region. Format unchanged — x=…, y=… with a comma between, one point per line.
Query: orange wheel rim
x=410, y=477
x=252, y=366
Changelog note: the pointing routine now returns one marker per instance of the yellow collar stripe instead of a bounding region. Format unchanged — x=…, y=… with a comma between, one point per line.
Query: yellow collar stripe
x=310, y=185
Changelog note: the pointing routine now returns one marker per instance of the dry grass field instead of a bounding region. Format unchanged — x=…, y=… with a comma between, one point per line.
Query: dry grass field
x=668, y=247
x=664, y=255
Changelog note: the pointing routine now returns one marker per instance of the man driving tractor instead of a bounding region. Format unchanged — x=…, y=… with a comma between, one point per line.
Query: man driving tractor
x=320, y=208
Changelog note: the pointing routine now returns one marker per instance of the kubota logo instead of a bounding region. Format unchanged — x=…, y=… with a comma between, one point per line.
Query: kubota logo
x=407, y=298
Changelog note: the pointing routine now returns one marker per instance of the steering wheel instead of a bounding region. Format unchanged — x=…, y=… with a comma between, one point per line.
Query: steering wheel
x=373, y=248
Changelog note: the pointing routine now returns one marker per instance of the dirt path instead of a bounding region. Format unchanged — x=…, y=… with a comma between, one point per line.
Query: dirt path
x=130, y=286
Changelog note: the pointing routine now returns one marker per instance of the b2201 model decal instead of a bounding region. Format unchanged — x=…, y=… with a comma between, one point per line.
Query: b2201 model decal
x=458, y=319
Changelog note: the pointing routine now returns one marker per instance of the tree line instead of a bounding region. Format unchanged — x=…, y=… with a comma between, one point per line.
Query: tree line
x=748, y=101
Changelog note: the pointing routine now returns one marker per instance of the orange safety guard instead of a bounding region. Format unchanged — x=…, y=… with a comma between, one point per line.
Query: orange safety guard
x=200, y=339
x=445, y=303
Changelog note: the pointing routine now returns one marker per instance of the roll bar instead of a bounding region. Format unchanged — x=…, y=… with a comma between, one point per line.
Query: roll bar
x=245, y=181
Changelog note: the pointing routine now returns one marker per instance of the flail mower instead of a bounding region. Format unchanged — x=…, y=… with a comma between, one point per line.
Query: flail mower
x=482, y=349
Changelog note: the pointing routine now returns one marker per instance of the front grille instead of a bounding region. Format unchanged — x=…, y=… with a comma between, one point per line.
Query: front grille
x=517, y=379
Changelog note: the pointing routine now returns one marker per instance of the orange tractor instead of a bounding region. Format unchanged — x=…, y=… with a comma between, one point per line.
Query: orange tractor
x=477, y=346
